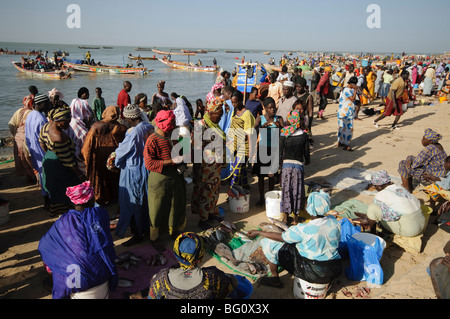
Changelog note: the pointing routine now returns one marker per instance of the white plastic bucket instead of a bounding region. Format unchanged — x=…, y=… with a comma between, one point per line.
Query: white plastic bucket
x=240, y=204
x=273, y=204
x=369, y=239
x=306, y=290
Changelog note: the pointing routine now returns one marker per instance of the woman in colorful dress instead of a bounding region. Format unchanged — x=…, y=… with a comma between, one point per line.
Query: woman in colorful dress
x=430, y=161
x=241, y=129
x=430, y=78
x=102, y=139
x=445, y=89
x=346, y=114
x=188, y=280
x=59, y=166
x=206, y=174
x=162, y=97
x=294, y=154
x=133, y=176
x=166, y=184
x=22, y=157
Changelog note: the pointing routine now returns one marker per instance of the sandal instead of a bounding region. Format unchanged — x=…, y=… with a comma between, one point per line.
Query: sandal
x=272, y=282
x=348, y=149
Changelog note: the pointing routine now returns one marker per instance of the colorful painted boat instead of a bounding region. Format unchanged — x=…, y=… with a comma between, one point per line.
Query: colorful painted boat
x=51, y=75
x=21, y=53
x=172, y=53
x=106, y=69
x=189, y=67
x=142, y=58
x=267, y=53
x=143, y=49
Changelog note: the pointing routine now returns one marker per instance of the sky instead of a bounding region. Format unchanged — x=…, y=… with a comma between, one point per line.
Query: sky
x=322, y=25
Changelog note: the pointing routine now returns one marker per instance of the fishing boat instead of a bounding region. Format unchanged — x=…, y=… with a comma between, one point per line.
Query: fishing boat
x=88, y=48
x=109, y=48
x=21, y=53
x=143, y=49
x=172, y=53
x=189, y=51
x=131, y=57
x=230, y=51
x=110, y=69
x=188, y=67
x=267, y=53
x=51, y=75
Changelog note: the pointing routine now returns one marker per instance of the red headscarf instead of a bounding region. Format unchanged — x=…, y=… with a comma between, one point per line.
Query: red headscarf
x=165, y=120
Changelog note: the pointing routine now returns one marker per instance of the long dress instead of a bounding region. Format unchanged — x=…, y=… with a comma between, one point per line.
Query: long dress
x=22, y=158
x=206, y=177
x=97, y=147
x=345, y=115
x=430, y=77
x=241, y=125
x=78, y=130
x=430, y=160
x=133, y=180
x=166, y=188
x=57, y=173
x=33, y=125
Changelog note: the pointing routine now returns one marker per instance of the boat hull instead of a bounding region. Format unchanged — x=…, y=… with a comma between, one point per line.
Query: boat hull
x=104, y=69
x=52, y=75
x=172, y=53
x=187, y=67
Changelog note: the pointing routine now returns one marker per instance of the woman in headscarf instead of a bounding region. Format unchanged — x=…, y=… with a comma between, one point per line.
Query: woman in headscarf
x=294, y=154
x=309, y=251
x=78, y=250
x=188, y=280
x=445, y=87
x=133, y=176
x=346, y=113
x=102, y=139
x=80, y=124
x=59, y=166
x=241, y=130
x=166, y=184
x=56, y=97
x=215, y=92
x=22, y=157
x=183, y=120
x=206, y=175
x=430, y=160
x=395, y=208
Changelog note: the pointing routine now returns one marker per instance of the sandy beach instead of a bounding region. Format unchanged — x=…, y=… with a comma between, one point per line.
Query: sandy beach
x=405, y=272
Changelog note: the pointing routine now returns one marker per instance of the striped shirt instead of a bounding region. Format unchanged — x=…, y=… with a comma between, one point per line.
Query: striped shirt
x=157, y=149
x=65, y=150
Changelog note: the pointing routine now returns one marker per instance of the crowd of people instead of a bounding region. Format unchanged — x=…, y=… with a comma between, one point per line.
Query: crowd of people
x=137, y=154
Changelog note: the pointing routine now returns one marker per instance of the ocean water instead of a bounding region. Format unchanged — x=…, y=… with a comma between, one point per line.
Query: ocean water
x=193, y=85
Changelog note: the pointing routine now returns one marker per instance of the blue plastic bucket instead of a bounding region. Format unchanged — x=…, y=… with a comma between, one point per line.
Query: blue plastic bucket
x=244, y=289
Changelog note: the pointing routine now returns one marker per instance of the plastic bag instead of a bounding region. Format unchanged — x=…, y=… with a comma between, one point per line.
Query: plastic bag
x=347, y=228
x=365, y=262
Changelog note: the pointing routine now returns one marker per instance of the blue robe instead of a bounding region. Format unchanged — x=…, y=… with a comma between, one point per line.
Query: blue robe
x=79, y=251
x=133, y=180
x=33, y=124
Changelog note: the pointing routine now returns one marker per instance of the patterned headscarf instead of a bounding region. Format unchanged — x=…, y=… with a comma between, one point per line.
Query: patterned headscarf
x=318, y=203
x=165, y=120
x=54, y=93
x=210, y=96
x=62, y=113
x=80, y=194
x=189, y=250
x=432, y=136
x=110, y=114
x=215, y=105
x=295, y=120
x=28, y=101
x=380, y=178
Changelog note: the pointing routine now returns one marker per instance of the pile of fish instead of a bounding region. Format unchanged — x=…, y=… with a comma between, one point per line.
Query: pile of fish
x=237, y=191
x=274, y=226
x=128, y=259
x=215, y=238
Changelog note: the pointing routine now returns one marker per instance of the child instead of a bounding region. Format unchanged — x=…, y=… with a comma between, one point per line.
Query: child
x=98, y=104
x=265, y=124
x=440, y=185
